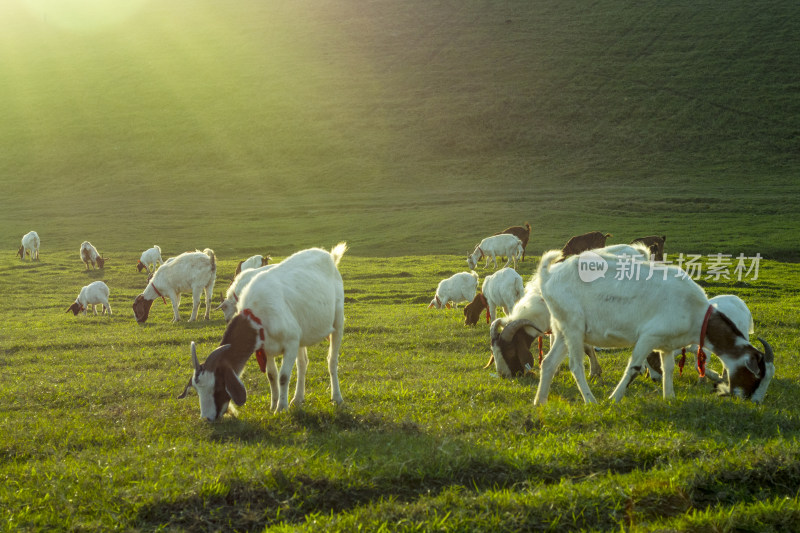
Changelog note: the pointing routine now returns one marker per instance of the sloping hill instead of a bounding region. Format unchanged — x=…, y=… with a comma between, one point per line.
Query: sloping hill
x=400, y=126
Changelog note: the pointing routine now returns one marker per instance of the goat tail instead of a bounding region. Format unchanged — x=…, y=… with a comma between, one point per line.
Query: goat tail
x=543, y=273
x=337, y=252
x=210, y=253
x=528, y=227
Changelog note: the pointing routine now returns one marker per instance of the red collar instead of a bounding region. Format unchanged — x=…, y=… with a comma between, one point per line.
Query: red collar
x=236, y=299
x=261, y=355
x=701, y=355
x=158, y=293
x=482, y=254
x=486, y=305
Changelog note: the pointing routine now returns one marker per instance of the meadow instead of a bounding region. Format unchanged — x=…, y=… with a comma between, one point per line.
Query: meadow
x=410, y=130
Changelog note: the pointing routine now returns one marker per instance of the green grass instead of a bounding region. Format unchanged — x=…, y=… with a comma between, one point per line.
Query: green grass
x=411, y=130
x=93, y=438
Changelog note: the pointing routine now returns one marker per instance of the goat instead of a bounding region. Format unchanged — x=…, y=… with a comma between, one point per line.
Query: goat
x=731, y=306
x=30, y=245
x=501, y=289
x=496, y=246
x=511, y=337
x=94, y=294
x=457, y=288
x=523, y=233
x=89, y=254
x=190, y=271
x=581, y=243
x=655, y=244
x=255, y=261
x=231, y=298
x=661, y=310
x=296, y=304
x=150, y=257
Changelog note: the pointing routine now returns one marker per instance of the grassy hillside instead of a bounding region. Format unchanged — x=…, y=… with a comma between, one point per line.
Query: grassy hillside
x=253, y=125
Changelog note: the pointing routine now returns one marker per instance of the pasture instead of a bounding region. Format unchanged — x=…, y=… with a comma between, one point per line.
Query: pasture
x=410, y=130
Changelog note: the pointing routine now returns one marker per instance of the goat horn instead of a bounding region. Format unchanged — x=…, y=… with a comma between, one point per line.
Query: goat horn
x=195, y=363
x=512, y=328
x=493, y=330
x=769, y=355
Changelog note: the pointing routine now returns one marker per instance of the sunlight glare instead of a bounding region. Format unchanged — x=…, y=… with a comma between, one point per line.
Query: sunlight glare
x=84, y=15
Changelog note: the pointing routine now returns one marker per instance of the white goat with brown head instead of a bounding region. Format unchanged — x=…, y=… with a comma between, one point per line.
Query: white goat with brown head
x=659, y=309
x=150, y=258
x=89, y=254
x=296, y=304
x=93, y=294
x=193, y=272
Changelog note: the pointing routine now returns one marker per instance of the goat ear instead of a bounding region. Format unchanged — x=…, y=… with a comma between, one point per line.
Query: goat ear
x=752, y=365
x=234, y=385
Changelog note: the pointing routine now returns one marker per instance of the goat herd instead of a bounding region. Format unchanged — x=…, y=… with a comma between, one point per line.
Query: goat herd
x=280, y=309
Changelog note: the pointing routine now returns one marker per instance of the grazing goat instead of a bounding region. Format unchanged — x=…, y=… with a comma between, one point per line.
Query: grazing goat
x=30, y=245
x=457, y=288
x=252, y=262
x=655, y=244
x=190, y=271
x=496, y=246
x=231, y=298
x=503, y=289
x=580, y=243
x=511, y=337
x=660, y=309
x=523, y=233
x=94, y=294
x=89, y=254
x=296, y=304
x=731, y=306
x=150, y=257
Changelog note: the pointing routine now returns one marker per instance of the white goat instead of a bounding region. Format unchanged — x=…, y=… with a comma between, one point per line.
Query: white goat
x=190, y=271
x=30, y=245
x=511, y=337
x=657, y=309
x=296, y=304
x=255, y=261
x=496, y=246
x=731, y=306
x=150, y=257
x=229, y=303
x=89, y=254
x=457, y=288
x=94, y=294
x=503, y=289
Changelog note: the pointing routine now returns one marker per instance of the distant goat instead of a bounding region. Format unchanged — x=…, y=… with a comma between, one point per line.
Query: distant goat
x=457, y=288
x=89, y=254
x=655, y=244
x=523, y=233
x=501, y=289
x=150, y=258
x=30, y=245
x=581, y=243
x=503, y=245
x=190, y=271
x=94, y=294
x=296, y=304
x=255, y=261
